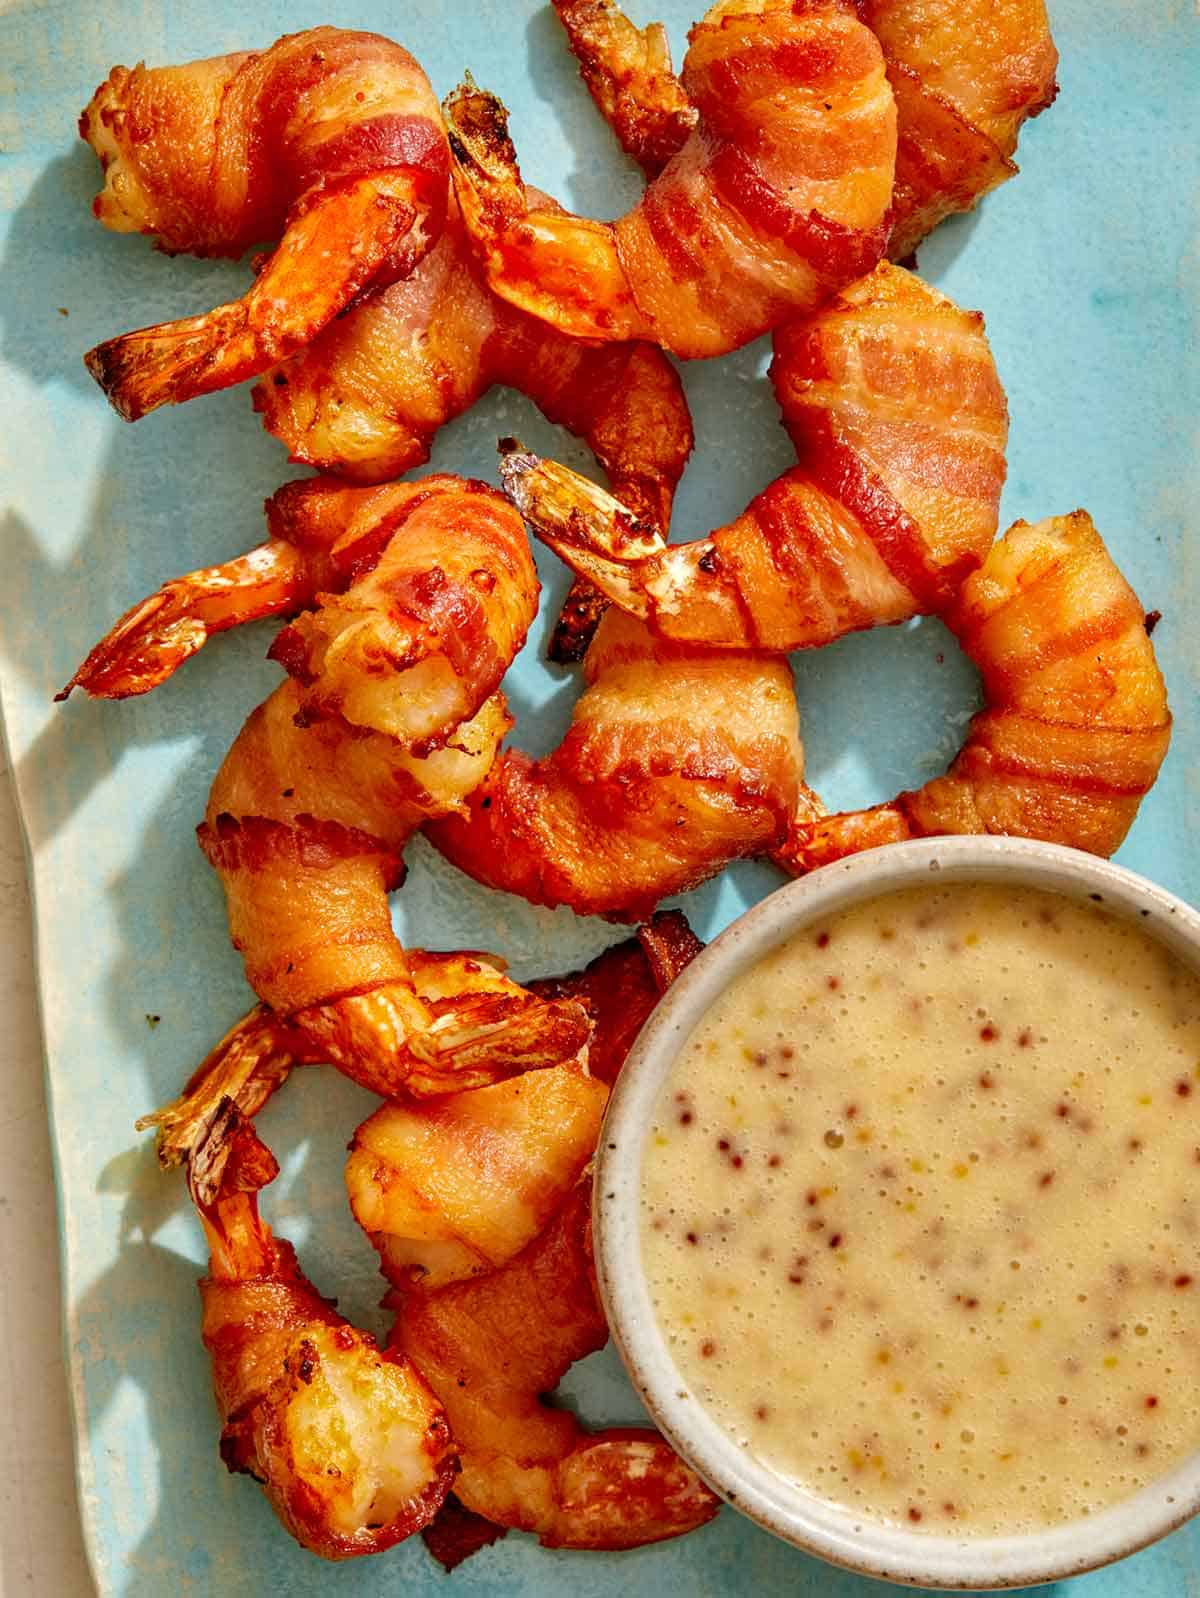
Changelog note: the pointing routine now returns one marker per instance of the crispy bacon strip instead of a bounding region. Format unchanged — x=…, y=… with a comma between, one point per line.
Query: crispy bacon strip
x=1076, y=723
x=778, y=197
x=678, y=760
x=891, y=397
x=330, y=141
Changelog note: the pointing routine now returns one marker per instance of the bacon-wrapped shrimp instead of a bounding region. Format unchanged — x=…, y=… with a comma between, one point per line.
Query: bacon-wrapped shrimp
x=423, y=593
x=390, y=717
x=330, y=141
x=964, y=80
x=490, y=1347
x=679, y=759
x=1076, y=723
x=778, y=197
x=891, y=398
x=347, y=1441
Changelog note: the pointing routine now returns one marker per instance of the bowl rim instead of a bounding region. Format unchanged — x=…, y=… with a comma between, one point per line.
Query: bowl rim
x=835, y=1533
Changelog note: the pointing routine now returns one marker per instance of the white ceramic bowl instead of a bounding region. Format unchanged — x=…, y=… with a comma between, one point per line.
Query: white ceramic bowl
x=842, y=1535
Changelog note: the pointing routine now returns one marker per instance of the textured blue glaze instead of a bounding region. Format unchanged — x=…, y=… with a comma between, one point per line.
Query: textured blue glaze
x=1080, y=268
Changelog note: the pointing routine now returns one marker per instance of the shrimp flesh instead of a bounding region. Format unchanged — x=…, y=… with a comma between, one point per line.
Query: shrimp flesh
x=490, y=1347
x=330, y=141
x=964, y=81
x=778, y=197
x=348, y=1441
x=1076, y=723
x=891, y=398
x=678, y=760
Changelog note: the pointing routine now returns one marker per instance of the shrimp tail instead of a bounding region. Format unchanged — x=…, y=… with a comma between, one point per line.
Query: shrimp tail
x=299, y=291
x=629, y=75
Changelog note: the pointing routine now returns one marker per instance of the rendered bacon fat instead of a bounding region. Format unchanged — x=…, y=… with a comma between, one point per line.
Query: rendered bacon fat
x=778, y=197
x=490, y=1347
x=891, y=398
x=1076, y=723
x=347, y=1441
x=964, y=79
x=679, y=759
x=330, y=141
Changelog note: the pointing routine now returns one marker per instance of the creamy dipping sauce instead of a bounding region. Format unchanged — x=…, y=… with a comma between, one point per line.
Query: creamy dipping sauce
x=920, y=1209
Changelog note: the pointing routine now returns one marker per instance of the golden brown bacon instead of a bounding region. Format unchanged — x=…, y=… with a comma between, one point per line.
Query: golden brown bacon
x=347, y=1441
x=1075, y=725
x=678, y=760
x=330, y=141
x=964, y=79
x=490, y=1347
x=891, y=398
x=778, y=197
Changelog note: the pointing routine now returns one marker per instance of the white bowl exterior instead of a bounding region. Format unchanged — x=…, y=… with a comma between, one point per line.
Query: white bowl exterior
x=831, y=1531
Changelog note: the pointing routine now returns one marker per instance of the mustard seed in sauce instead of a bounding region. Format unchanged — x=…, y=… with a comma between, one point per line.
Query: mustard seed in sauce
x=998, y=1266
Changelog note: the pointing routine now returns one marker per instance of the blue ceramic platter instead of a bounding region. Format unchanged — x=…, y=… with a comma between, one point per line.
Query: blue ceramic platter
x=1081, y=268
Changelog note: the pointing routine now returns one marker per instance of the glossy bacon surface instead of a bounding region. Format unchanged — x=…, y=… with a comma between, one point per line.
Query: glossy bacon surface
x=892, y=400
x=330, y=141
x=777, y=198
x=1075, y=724
x=348, y=1442
x=490, y=1348
x=678, y=760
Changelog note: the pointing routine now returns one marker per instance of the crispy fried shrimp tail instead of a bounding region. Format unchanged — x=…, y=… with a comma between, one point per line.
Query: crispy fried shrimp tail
x=679, y=759
x=629, y=75
x=778, y=197
x=891, y=398
x=490, y=1347
x=347, y=1441
x=1076, y=723
x=330, y=141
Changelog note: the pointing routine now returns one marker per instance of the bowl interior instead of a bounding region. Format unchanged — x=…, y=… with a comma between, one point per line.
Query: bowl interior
x=836, y=1533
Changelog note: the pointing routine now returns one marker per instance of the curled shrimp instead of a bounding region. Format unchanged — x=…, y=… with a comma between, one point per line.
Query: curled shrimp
x=1076, y=723
x=390, y=717
x=777, y=198
x=490, y=1347
x=964, y=81
x=330, y=141
x=420, y=595
x=891, y=398
x=678, y=760
x=348, y=1441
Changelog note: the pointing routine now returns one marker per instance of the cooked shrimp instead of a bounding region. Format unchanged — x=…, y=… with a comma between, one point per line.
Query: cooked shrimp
x=452, y=1188
x=423, y=593
x=891, y=398
x=367, y=397
x=330, y=141
x=964, y=80
x=490, y=1347
x=679, y=759
x=778, y=197
x=347, y=1441
x=1076, y=723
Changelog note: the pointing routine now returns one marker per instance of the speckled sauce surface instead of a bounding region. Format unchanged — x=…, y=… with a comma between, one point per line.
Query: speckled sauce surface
x=920, y=1210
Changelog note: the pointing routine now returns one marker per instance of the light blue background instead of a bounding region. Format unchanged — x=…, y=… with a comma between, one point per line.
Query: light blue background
x=1081, y=266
